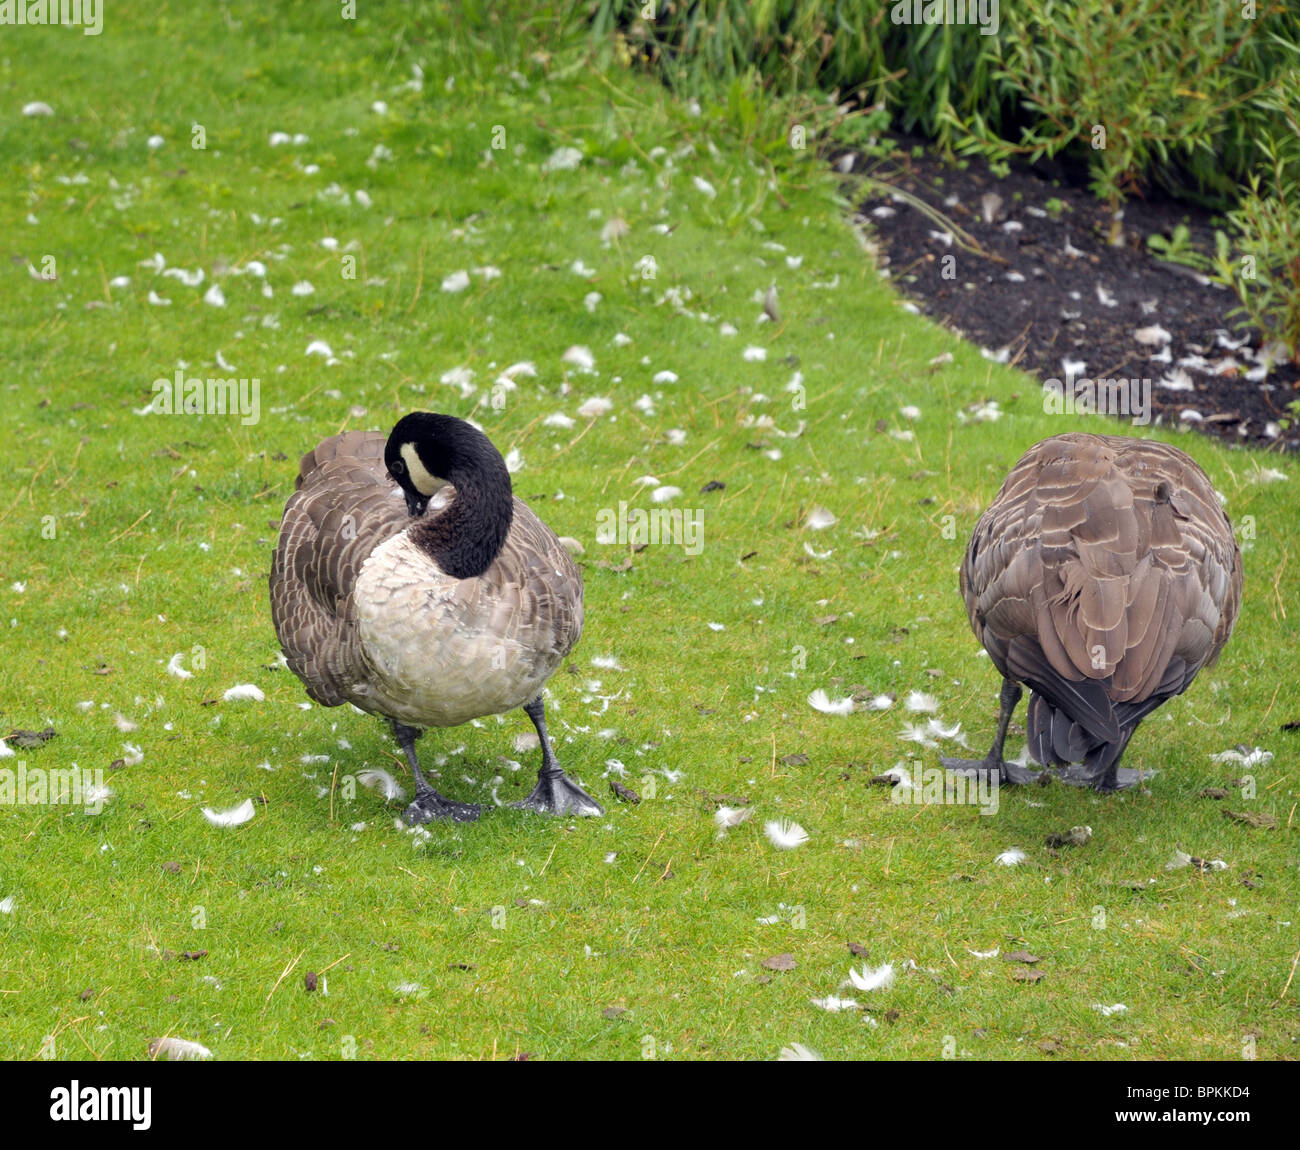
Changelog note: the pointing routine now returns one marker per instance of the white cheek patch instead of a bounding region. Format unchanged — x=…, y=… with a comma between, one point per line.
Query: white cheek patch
x=422, y=479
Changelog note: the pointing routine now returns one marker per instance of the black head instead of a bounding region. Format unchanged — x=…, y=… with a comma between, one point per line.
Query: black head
x=424, y=452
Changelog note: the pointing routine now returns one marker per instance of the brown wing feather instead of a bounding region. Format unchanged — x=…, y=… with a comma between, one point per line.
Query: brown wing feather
x=343, y=506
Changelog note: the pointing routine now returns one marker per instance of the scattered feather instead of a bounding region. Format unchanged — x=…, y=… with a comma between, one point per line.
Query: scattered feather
x=834, y=1005
x=1012, y=857
x=918, y=701
x=580, y=357
x=785, y=834
x=244, y=691
x=881, y=978
x=174, y=667
x=797, y=1052
x=178, y=1050
x=234, y=817
x=595, y=407
x=377, y=779
x=1256, y=758
x=727, y=817
x=819, y=700
x=562, y=160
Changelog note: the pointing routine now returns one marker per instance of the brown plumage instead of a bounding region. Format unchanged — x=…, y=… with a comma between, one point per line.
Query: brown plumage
x=411, y=583
x=1103, y=577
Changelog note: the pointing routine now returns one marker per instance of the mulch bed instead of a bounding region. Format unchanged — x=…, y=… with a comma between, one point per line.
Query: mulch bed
x=1047, y=289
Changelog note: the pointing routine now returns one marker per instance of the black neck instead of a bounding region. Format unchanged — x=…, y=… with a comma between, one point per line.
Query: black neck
x=467, y=536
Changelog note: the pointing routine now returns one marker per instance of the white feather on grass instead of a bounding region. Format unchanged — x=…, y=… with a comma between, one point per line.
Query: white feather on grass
x=123, y=724
x=919, y=701
x=704, y=187
x=797, y=1052
x=818, y=519
x=881, y=978
x=244, y=691
x=834, y=1005
x=234, y=817
x=6, y=751
x=7, y=905
x=879, y=703
x=785, y=834
x=94, y=795
x=579, y=356
x=936, y=728
x=1106, y=1011
x=595, y=407
x=984, y=953
x=727, y=817
x=915, y=733
x=1256, y=758
x=178, y=1050
x=174, y=667
x=377, y=779
x=819, y=700
x=1012, y=857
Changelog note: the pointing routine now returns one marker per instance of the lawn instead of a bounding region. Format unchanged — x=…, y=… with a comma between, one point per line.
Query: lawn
x=387, y=212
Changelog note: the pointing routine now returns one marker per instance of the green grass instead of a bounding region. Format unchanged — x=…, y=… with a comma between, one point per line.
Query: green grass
x=163, y=527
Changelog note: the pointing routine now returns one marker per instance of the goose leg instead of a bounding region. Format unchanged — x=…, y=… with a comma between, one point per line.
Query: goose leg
x=555, y=793
x=993, y=763
x=1108, y=777
x=428, y=803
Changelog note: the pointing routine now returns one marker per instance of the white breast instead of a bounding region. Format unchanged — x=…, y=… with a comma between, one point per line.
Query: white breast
x=435, y=645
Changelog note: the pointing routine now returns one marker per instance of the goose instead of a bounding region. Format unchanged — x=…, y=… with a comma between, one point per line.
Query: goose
x=409, y=581
x=1102, y=577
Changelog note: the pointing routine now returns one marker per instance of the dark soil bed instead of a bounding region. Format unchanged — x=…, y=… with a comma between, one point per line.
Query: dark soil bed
x=1048, y=293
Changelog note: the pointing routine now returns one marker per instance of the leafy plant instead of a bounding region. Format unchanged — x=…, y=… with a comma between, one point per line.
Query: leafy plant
x=1265, y=272
x=1177, y=248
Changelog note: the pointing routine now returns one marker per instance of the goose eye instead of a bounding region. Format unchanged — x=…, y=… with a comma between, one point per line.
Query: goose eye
x=397, y=467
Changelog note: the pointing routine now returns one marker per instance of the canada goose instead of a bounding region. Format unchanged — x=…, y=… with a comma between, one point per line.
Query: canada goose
x=409, y=581
x=1103, y=577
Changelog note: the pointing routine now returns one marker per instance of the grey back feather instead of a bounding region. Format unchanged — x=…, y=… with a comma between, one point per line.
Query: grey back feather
x=1105, y=575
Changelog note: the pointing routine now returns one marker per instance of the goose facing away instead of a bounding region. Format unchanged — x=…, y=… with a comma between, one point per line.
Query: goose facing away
x=409, y=581
x=1103, y=577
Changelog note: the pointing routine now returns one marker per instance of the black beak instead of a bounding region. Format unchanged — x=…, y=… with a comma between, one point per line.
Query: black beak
x=415, y=504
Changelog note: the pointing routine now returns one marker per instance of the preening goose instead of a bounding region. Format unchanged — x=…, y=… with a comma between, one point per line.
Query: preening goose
x=1103, y=577
x=409, y=581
